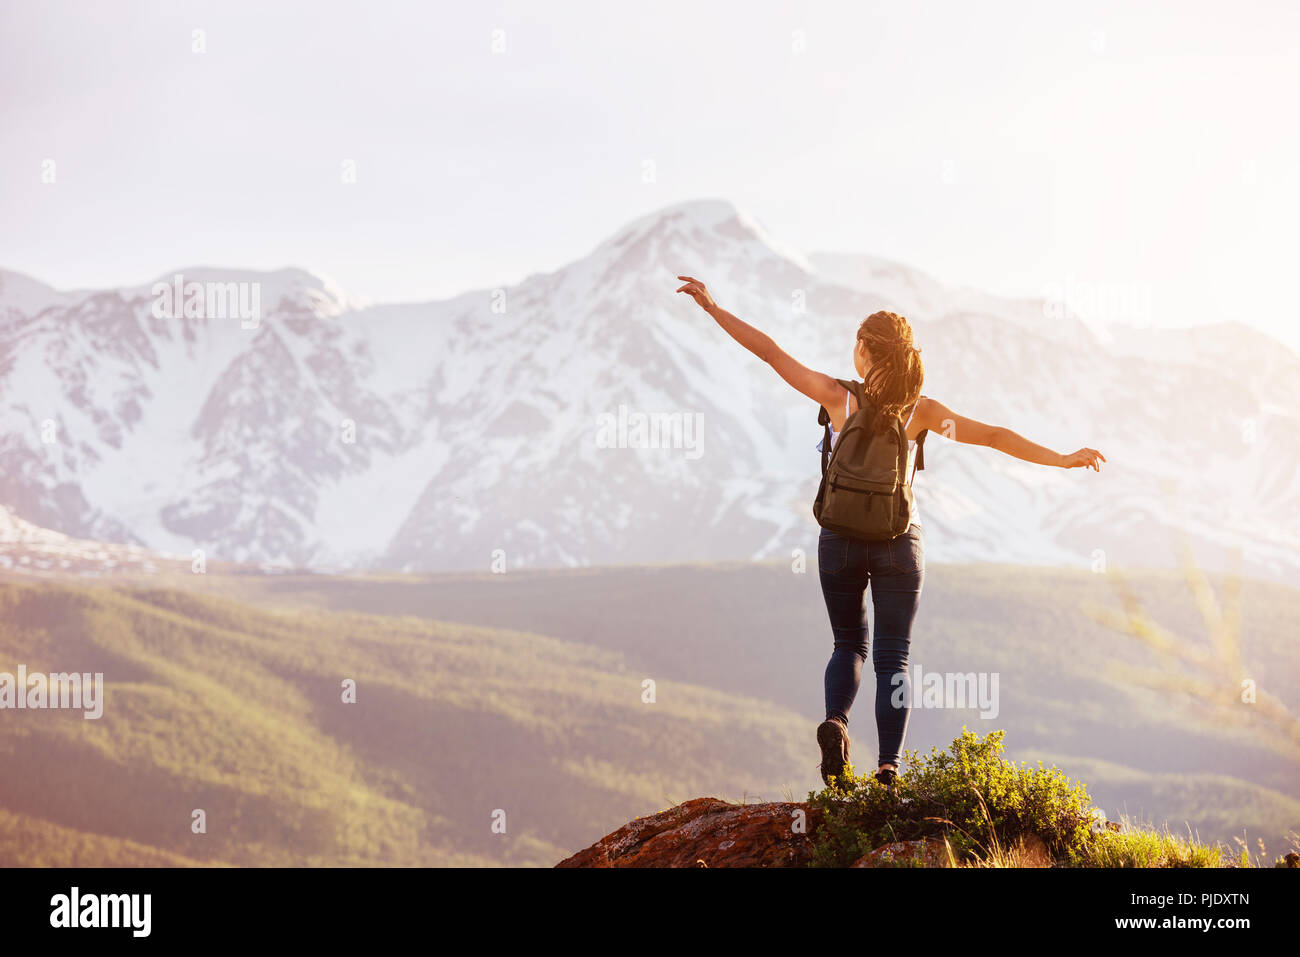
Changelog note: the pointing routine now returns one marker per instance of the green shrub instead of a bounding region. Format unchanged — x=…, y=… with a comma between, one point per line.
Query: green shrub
x=969, y=794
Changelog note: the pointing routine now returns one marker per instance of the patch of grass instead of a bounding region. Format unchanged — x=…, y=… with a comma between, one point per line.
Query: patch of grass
x=1262, y=858
x=1138, y=847
x=969, y=795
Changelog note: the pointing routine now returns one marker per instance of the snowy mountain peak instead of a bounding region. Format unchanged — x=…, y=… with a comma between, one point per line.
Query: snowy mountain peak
x=698, y=213
x=702, y=226
x=26, y=296
x=321, y=294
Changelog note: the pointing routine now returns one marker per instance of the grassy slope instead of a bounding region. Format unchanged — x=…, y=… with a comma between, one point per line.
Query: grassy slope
x=1066, y=680
x=215, y=705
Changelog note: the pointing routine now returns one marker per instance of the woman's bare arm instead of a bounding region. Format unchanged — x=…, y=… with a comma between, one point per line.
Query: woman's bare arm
x=818, y=386
x=937, y=417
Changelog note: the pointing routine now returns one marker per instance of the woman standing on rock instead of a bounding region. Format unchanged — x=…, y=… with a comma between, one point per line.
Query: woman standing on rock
x=871, y=532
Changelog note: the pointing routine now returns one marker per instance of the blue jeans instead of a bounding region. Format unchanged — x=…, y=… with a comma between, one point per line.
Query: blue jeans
x=894, y=571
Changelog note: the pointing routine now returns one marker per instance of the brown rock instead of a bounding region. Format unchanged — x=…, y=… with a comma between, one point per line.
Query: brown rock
x=919, y=853
x=1029, y=852
x=706, y=832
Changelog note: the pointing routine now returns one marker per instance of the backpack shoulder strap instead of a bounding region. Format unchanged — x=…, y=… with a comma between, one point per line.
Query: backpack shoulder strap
x=854, y=388
x=824, y=419
x=920, y=448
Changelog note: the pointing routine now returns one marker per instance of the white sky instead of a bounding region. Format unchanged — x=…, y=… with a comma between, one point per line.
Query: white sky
x=1145, y=152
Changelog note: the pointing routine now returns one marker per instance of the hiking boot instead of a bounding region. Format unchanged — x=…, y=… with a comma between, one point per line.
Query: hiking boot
x=887, y=776
x=833, y=737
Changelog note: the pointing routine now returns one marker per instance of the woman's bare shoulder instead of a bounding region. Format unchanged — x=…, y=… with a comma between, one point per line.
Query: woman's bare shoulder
x=925, y=416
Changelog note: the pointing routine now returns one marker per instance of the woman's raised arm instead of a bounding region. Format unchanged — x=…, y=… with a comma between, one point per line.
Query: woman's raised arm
x=818, y=386
x=937, y=417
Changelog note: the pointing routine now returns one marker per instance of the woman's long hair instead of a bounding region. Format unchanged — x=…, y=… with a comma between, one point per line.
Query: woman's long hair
x=894, y=380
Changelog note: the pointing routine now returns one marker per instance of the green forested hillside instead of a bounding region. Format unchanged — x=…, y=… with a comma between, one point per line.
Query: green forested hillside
x=214, y=705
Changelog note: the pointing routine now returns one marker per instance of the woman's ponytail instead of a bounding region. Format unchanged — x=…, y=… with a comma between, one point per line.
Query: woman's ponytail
x=894, y=380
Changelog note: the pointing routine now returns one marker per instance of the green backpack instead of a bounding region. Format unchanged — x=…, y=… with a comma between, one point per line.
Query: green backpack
x=865, y=491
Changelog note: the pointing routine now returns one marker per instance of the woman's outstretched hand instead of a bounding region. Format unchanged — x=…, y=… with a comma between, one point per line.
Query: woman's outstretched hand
x=695, y=289
x=1084, y=458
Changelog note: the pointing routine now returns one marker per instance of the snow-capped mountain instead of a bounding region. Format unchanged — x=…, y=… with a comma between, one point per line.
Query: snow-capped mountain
x=507, y=422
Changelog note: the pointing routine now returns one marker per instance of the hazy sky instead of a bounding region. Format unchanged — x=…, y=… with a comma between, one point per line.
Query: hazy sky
x=1145, y=154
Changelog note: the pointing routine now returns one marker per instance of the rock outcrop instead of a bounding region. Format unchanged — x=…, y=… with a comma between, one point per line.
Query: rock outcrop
x=906, y=854
x=707, y=832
